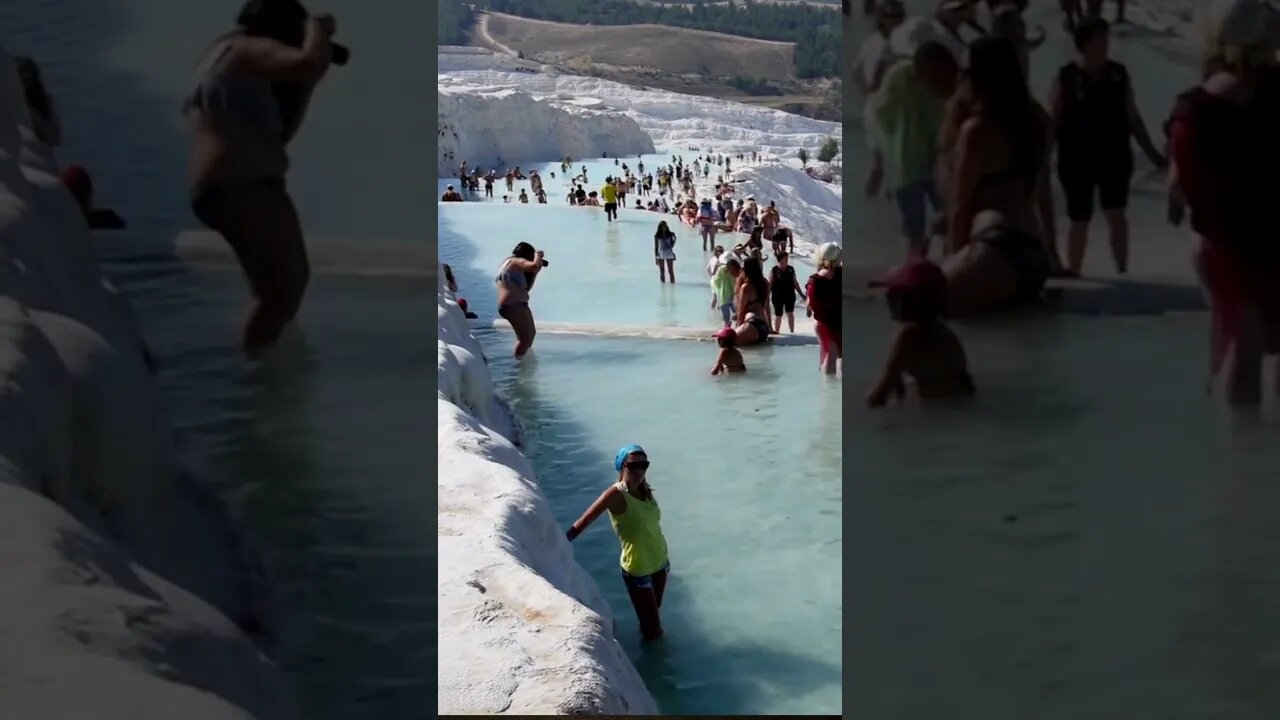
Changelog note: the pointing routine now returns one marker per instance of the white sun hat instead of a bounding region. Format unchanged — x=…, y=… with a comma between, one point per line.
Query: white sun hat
x=829, y=252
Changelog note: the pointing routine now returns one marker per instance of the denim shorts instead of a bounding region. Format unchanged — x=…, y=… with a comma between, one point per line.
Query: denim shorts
x=914, y=200
x=644, y=581
x=726, y=312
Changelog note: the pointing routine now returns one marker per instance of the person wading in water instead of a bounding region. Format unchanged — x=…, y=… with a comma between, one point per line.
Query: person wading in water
x=254, y=87
x=1094, y=114
x=637, y=521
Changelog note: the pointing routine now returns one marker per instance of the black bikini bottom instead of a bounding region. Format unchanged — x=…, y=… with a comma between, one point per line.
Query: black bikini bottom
x=1025, y=254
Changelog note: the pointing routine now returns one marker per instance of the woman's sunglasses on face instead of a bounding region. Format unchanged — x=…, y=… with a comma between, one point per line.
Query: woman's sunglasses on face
x=636, y=465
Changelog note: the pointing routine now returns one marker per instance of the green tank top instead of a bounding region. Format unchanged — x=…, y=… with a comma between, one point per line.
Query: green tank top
x=639, y=530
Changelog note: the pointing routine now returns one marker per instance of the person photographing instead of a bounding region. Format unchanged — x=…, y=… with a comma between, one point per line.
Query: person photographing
x=514, y=280
x=253, y=89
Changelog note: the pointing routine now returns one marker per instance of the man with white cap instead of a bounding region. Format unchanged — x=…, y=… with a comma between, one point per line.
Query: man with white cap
x=908, y=117
x=952, y=17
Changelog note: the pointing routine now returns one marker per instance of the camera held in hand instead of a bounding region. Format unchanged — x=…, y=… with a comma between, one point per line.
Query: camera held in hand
x=545, y=262
x=340, y=55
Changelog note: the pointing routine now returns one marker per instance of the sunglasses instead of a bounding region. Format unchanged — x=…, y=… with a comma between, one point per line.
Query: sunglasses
x=636, y=465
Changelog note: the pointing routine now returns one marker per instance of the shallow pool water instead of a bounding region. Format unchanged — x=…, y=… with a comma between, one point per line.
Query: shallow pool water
x=747, y=468
x=1092, y=535
x=1089, y=532
x=288, y=445
x=748, y=472
x=601, y=273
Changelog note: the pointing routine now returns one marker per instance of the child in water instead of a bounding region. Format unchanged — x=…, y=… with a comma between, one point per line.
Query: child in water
x=730, y=359
x=924, y=348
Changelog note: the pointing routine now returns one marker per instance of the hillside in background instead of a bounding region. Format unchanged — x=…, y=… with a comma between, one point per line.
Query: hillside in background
x=696, y=61
x=814, y=28
x=640, y=48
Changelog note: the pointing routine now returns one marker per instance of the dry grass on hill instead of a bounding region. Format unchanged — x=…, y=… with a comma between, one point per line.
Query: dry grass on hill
x=677, y=51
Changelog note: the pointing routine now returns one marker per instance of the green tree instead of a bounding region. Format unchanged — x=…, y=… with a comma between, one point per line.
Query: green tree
x=804, y=157
x=829, y=150
x=453, y=22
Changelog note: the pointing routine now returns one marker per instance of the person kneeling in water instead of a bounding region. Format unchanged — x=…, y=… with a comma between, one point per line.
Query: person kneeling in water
x=637, y=521
x=729, y=360
x=924, y=347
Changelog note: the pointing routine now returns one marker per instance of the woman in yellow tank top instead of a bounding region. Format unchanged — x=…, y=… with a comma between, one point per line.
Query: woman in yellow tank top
x=637, y=520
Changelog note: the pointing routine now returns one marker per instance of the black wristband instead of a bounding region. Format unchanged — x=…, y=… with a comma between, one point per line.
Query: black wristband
x=571, y=533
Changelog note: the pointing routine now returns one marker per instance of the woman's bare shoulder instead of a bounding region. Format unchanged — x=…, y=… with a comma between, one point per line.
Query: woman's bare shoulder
x=974, y=130
x=613, y=500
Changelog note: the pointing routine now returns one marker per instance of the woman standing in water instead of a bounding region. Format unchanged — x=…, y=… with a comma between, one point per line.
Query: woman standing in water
x=826, y=295
x=1225, y=152
x=637, y=520
x=254, y=87
x=515, y=280
x=997, y=239
x=664, y=252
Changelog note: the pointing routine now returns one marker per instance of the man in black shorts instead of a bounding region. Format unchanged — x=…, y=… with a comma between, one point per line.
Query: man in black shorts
x=783, y=288
x=1094, y=115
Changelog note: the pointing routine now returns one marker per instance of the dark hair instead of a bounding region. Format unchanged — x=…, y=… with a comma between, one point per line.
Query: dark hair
x=757, y=237
x=781, y=256
x=663, y=229
x=781, y=235
x=754, y=271
x=32, y=84
x=935, y=53
x=524, y=251
x=282, y=20
x=1088, y=30
x=1000, y=87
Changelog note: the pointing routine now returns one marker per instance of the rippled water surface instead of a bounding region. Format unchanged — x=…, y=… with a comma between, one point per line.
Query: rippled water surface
x=318, y=449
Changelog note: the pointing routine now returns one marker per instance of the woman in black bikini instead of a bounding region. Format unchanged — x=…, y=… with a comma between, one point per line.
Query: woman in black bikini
x=999, y=227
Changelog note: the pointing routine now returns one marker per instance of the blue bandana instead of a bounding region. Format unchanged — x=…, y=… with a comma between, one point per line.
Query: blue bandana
x=621, y=457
